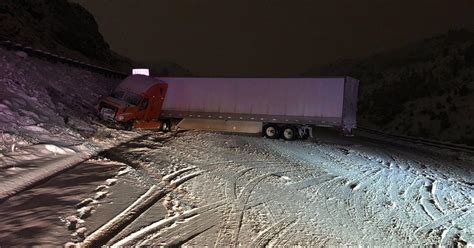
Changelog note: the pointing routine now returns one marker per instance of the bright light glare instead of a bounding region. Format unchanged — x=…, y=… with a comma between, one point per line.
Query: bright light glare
x=145, y=72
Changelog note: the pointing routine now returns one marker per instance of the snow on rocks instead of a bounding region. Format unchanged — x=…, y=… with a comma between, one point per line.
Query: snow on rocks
x=71, y=222
x=70, y=245
x=123, y=172
x=58, y=150
x=81, y=232
x=84, y=202
x=101, y=187
x=38, y=97
x=47, y=119
x=100, y=195
x=85, y=212
x=111, y=181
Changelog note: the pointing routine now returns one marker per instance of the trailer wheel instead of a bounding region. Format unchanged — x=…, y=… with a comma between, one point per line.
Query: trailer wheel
x=289, y=133
x=271, y=131
x=166, y=126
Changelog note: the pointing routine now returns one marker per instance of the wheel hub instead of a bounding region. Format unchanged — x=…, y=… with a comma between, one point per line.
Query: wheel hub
x=271, y=131
x=288, y=133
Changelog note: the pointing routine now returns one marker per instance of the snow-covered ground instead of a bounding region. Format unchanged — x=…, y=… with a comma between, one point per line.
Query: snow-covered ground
x=251, y=191
x=47, y=117
x=222, y=189
x=44, y=102
x=44, y=215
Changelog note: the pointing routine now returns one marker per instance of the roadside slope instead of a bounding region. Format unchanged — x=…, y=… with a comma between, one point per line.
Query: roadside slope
x=425, y=89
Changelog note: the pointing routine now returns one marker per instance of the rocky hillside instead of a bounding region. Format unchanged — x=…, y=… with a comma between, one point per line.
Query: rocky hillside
x=44, y=102
x=60, y=27
x=67, y=29
x=425, y=89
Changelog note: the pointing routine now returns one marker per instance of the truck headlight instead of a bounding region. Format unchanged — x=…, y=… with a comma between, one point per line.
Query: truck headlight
x=120, y=118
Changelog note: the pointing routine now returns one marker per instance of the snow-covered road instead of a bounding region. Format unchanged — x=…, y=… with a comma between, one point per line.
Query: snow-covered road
x=243, y=190
x=219, y=189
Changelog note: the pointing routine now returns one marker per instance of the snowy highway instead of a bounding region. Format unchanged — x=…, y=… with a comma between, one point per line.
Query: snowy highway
x=199, y=188
x=307, y=151
x=244, y=190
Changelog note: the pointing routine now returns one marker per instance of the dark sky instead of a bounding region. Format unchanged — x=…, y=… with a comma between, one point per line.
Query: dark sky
x=269, y=37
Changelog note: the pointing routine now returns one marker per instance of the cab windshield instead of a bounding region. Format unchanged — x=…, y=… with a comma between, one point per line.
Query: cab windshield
x=128, y=97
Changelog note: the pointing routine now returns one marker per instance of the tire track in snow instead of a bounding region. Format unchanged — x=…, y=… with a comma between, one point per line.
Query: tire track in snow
x=147, y=233
x=231, y=185
x=431, y=196
x=235, y=218
x=107, y=231
x=430, y=201
x=373, y=181
x=299, y=154
x=381, y=178
x=283, y=236
x=182, y=231
x=270, y=233
x=457, y=214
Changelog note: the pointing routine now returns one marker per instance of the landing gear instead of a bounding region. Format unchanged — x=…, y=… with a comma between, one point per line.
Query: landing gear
x=165, y=126
x=347, y=132
x=271, y=131
x=305, y=132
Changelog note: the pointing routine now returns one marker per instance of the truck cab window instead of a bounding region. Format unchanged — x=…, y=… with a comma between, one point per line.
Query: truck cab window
x=132, y=99
x=118, y=94
x=144, y=104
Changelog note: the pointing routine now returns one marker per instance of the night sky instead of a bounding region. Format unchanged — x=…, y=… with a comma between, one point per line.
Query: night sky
x=269, y=37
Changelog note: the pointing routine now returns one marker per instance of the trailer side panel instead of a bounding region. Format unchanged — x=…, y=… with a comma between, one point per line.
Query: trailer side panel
x=294, y=100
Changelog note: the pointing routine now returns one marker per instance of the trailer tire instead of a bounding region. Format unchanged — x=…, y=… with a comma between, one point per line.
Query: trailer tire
x=166, y=126
x=289, y=133
x=271, y=131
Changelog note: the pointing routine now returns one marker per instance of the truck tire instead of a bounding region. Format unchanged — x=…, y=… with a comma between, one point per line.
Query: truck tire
x=166, y=126
x=128, y=126
x=271, y=131
x=289, y=133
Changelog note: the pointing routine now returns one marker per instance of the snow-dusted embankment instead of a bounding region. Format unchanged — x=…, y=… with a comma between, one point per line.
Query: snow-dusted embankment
x=46, y=114
x=46, y=102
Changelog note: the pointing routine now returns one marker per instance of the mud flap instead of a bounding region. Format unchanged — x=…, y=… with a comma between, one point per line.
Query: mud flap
x=305, y=132
x=347, y=132
x=221, y=125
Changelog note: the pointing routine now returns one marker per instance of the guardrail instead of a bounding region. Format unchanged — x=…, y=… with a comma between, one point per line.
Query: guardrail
x=60, y=59
x=418, y=140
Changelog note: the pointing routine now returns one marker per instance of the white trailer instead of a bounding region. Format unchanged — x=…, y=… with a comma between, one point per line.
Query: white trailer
x=277, y=107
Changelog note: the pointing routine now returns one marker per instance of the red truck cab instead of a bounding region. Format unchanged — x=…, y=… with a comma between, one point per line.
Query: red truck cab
x=135, y=103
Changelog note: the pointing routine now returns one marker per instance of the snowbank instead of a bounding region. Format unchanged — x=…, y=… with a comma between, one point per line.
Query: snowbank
x=47, y=112
x=43, y=102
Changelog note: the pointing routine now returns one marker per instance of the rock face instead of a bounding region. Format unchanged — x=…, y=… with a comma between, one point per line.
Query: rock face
x=68, y=29
x=57, y=26
x=425, y=89
x=41, y=100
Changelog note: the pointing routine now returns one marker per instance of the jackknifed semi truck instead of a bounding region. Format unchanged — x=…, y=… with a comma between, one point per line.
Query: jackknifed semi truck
x=285, y=108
